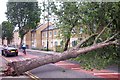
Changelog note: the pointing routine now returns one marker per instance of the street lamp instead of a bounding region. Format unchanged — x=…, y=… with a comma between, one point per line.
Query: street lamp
x=48, y=26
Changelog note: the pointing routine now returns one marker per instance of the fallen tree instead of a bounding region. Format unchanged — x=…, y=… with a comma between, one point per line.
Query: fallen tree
x=17, y=68
x=95, y=17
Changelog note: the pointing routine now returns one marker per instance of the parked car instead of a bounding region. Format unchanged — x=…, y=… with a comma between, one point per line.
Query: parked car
x=9, y=51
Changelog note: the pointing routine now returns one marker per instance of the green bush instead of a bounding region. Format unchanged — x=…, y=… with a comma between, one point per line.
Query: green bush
x=59, y=48
x=45, y=49
x=35, y=48
x=99, y=59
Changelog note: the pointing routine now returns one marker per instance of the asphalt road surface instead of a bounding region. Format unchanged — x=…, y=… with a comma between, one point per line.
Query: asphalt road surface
x=58, y=71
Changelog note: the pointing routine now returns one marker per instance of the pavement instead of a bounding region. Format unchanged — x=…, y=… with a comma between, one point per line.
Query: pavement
x=47, y=52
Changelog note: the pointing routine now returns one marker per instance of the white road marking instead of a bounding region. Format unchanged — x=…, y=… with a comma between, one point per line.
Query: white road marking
x=27, y=58
x=63, y=64
x=23, y=58
x=75, y=68
x=11, y=60
x=106, y=73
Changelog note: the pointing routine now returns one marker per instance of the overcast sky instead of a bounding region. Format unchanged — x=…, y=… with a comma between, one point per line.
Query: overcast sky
x=3, y=10
x=3, y=7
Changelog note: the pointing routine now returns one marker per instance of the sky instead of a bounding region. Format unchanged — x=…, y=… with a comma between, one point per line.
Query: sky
x=3, y=7
x=3, y=10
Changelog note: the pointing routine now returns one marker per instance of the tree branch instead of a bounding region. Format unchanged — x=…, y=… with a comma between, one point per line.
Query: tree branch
x=84, y=40
x=109, y=39
x=99, y=35
x=102, y=32
x=96, y=46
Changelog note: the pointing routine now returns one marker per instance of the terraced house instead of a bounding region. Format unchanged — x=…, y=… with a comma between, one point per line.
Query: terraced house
x=38, y=37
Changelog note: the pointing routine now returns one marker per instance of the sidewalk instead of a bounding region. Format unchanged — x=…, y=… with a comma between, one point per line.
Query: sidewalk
x=110, y=72
x=47, y=52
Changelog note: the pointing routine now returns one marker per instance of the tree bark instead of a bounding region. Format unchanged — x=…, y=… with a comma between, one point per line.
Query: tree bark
x=100, y=33
x=21, y=41
x=23, y=66
x=66, y=44
x=8, y=41
x=22, y=36
x=2, y=41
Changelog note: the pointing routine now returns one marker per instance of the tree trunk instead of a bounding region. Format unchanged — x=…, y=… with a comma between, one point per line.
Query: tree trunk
x=23, y=66
x=22, y=36
x=2, y=42
x=66, y=44
x=8, y=41
x=68, y=39
x=21, y=41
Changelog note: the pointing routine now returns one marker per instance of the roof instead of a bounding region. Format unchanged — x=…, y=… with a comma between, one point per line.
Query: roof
x=33, y=30
x=51, y=27
x=39, y=26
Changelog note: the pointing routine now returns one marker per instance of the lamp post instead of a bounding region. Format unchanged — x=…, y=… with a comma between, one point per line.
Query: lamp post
x=48, y=26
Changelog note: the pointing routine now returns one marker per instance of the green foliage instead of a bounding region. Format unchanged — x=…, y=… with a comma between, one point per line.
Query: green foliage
x=59, y=48
x=35, y=48
x=92, y=17
x=68, y=17
x=99, y=14
x=100, y=58
x=7, y=31
x=96, y=17
x=45, y=49
x=25, y=15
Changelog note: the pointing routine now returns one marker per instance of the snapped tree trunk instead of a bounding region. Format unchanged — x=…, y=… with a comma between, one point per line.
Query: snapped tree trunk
x=23, y=66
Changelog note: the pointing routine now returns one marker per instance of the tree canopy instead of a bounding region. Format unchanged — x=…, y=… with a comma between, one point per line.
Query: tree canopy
x=95, y=18
x=7, y=31
x=101, y=18
x=24, y=15
x=68, y=17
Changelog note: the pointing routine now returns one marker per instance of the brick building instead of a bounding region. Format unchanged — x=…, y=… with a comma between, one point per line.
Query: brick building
x=37, y=38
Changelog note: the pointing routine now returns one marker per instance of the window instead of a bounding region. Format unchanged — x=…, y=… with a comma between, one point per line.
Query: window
x=81, y=30
x=43, y=34
x=56, y=43
x=51, y=44
x=43, y=44
x=74, y=43
x=50, y=34
x=55, y=32
x=46, y=34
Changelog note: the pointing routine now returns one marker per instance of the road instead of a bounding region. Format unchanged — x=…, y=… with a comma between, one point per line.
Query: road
x=61, y=70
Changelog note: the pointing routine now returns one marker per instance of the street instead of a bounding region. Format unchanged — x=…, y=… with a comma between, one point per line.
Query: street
x=60, y=40
x=61, y=70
